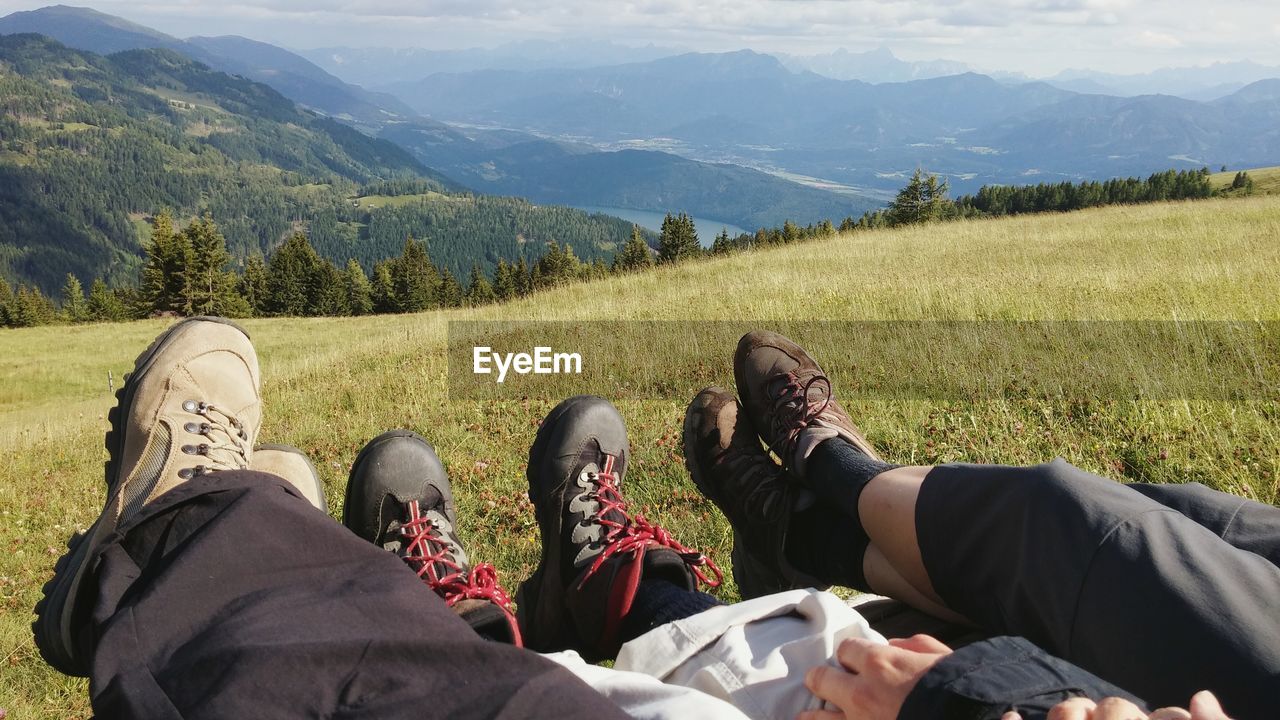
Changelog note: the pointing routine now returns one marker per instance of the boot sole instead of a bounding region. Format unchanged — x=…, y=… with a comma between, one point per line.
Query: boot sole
x=753, y=577
x=62, y=602
x=742, y=576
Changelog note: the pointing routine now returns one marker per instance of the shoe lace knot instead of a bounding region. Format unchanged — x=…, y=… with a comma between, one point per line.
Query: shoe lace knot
x=226, y=442
x=434, y=558
x=627, y=534
x=793, y=410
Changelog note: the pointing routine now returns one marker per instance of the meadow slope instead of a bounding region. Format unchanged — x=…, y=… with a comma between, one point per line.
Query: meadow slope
x=331, y=384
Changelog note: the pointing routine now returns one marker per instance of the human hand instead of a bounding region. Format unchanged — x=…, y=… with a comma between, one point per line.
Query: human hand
x=1204, y=706
x=876, y=679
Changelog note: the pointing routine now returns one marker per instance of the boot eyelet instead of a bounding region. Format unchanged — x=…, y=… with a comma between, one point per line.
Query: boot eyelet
x=202, y=449
x=191, y=406
x=190, y=450
x=186, y=473
x=193, y=428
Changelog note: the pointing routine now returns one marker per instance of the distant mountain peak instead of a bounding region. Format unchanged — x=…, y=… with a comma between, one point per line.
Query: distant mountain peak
x=87, y=13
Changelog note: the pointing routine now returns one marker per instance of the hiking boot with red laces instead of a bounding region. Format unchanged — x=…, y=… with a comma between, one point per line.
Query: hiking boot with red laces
x=190, y=407
x=731, y=468
x=789, y=399
x=398, y=497
x=594, y=552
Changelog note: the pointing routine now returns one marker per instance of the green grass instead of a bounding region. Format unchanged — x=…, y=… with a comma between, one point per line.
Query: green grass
x=381, y=201
x=331, y=384
x=1266, y=181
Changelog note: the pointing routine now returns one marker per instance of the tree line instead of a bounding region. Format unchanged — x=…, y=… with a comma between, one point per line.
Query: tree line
x=188, y=271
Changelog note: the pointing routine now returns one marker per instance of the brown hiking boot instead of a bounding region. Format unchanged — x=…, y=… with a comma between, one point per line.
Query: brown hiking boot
x=594, y=552
x=292, y=465
x=191, y=406
x=789, y=399
x=728, y=464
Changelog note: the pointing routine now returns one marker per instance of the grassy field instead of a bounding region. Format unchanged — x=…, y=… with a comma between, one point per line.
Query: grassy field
x=1266, y=181
x=331, y=384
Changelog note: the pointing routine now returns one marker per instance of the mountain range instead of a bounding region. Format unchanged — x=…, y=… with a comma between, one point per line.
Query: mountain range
x=93, y=146
x=741, y=137
x=750, y=109
x=292, y=76
x=381, y=114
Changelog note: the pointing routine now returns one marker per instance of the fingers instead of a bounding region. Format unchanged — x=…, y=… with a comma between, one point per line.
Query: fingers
x=820, y=715
x=1107, y=709
x=854, y=653
x=1204, y=706
x=1011, y=715
x=831, y=684
x=921, y=643
x=1073, y=709
x=1170, y=713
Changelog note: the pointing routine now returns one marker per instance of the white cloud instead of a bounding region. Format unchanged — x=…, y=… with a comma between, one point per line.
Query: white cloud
x=1156, y=40
x=1034, y=36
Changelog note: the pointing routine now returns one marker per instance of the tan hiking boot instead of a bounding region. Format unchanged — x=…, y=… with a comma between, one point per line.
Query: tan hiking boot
x=190, y=407
x=789, y=399
x=295, y=467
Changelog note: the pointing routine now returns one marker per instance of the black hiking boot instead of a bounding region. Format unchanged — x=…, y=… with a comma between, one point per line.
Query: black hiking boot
x=594, y=552
x=398, y=498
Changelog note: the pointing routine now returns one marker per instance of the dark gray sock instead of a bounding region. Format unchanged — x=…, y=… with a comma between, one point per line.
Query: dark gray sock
x=837, y=472
x=827, y=541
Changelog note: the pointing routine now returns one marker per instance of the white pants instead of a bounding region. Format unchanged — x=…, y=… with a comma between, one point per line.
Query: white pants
x=733, y=662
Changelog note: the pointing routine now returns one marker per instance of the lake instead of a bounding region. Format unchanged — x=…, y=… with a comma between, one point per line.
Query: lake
x=707, y=229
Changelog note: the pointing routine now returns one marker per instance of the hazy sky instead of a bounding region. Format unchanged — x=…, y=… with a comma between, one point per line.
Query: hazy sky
x=1038, y=37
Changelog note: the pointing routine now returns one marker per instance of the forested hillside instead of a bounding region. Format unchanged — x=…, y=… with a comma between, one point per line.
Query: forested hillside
x=91, y=147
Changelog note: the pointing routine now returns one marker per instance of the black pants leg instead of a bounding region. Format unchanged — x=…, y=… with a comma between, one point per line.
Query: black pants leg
x=1104, y=576
x=1245, y=524
x=232, y=597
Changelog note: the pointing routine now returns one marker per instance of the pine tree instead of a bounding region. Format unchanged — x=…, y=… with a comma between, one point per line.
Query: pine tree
x=678, y=240
x=450, y=293
x=253, y=284
x=557, y=266
x=329, y=285
x=359, y=290
x=166, y=283
x=923, y=199
x=504, y=281
x=523, y=278
x=213, y=287
x=384, y=289
x=104, y=305
x=721, y=245
x=290, y=277
x=6, y=301
x=479, y=290
x=416, y=279
x=635, y=255
x=598, y=270
x=73, y=307
x=30, y=308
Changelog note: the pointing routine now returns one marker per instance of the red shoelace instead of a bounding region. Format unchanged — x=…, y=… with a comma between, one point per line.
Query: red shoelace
x=633, y=535
x=426, y=550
